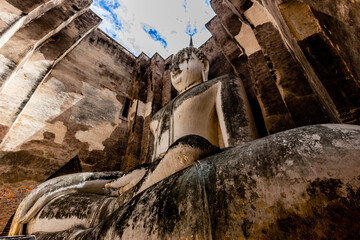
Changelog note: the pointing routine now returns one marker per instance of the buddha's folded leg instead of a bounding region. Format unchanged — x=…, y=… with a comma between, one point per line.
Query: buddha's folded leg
x=66, y=211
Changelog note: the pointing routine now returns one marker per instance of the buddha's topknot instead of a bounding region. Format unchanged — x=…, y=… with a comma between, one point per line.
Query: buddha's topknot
x=180, y=56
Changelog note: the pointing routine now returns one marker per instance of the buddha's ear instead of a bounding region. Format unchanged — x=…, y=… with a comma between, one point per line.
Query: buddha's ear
x=205, y=72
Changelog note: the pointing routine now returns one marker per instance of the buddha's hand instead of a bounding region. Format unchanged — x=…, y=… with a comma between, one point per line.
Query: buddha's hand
x=125, y=182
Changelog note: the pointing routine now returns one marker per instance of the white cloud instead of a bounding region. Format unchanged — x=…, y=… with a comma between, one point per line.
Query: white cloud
x=163, y=19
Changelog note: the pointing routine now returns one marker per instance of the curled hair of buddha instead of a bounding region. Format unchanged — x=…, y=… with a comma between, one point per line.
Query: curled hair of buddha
x=184, y=55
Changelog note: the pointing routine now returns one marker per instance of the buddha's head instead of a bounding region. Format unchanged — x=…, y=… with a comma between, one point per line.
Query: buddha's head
x=189, y=68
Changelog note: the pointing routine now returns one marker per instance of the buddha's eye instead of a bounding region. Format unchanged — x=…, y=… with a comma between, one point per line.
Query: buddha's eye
x=175, y=67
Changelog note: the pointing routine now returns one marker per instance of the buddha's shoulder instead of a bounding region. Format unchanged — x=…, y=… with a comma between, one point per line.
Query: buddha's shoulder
x=219, y=82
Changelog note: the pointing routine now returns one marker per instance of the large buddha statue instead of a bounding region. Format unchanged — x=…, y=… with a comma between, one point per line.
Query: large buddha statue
x=204, y=117
x=207, y=179
x=217, y=110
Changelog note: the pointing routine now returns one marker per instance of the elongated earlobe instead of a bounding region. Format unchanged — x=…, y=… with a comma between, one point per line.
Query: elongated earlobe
x=205, y=72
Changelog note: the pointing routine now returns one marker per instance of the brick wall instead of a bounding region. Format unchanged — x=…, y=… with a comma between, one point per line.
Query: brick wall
x=10, y=198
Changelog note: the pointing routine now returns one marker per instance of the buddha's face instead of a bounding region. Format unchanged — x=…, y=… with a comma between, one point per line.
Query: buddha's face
x=187, y=72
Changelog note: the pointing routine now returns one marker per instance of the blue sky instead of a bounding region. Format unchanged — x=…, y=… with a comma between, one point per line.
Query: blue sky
x=150, y=26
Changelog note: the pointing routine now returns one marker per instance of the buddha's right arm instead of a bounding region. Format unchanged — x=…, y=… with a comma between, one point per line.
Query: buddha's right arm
x=127, y=181
x=92, y=182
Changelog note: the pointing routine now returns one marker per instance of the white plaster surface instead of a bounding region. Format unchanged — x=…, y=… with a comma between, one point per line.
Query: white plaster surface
x=56, y=224
x=300, y=20
x=46, y=103
x=221, y=118
x=97, y=102
x=192, y=72
x=164, y=143
x=154, y=125
x=12, y=17
x=257, y=15
x=9, y=18
x=246, y=38
x=162, y=140
x=17, y=90
x=175, y=160
x=11, y=31
x=197, y=115
x=4, y=66
x=144, y=109
x=127, y=181
x=8, y=13
x=95, y=136
x=58, y=128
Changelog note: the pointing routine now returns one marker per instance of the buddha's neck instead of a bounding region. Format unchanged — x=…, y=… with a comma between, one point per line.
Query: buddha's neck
x=190, y=86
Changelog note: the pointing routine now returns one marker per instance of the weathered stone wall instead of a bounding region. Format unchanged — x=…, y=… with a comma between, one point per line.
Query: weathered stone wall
x=152, y=90
x=320, y=37
x=138, y=112
x=297, y=59
x=64, y=87
x=75, y=110
x=218, y=64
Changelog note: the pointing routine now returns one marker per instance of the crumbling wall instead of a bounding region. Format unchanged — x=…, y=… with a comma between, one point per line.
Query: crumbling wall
x=297, y=59
x=75, y=110
x=64, y=87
